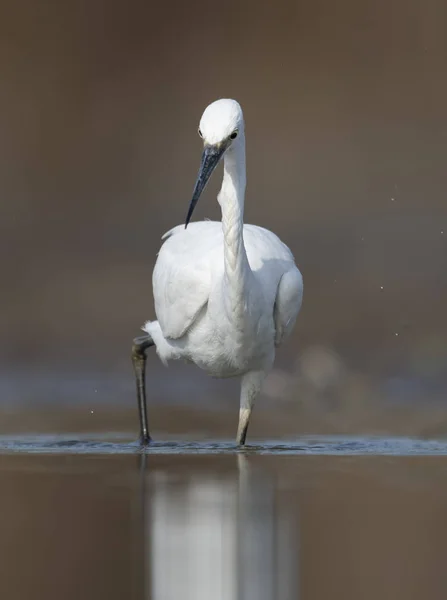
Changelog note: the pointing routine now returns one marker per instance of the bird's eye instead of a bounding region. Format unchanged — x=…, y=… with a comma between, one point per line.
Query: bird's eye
x=200, y=133
x=233, y=136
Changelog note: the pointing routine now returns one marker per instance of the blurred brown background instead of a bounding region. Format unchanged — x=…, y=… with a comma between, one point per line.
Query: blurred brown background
x=345, y=107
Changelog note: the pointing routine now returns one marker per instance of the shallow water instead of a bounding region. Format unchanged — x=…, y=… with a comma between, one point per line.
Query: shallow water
x=312, y=518
x=119, y=443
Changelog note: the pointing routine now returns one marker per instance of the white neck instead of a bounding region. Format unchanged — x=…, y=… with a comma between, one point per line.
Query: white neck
x=231, y=199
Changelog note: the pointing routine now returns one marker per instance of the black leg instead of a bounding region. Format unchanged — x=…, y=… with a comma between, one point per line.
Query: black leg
x=140, y=345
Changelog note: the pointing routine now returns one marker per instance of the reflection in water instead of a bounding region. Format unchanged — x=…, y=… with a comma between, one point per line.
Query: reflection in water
x=370, y=527
x=218, y=536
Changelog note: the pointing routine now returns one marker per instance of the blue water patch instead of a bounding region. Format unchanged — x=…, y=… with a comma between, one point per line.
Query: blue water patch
x=118, y=443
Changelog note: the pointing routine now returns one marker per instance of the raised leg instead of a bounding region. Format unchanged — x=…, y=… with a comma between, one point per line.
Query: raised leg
x=250, y=388
x=139, y=347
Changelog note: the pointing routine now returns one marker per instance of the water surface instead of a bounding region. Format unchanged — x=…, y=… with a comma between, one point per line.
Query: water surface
x=316, y=518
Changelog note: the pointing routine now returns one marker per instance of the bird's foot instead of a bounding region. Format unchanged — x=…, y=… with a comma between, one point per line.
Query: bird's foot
x=145, y=441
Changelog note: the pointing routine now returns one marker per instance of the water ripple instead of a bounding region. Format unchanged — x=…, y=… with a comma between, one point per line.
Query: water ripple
x=316, y=445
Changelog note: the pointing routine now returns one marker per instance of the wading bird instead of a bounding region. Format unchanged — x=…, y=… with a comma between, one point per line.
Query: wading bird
x=226, y=294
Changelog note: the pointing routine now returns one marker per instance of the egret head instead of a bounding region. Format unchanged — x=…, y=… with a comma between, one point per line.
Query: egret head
x=221, y=127
x=221, y=122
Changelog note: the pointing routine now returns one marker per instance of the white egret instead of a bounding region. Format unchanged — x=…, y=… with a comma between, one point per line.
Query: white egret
x=226, y=294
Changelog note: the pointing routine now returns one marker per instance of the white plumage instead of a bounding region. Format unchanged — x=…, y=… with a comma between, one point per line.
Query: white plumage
x=226, y=294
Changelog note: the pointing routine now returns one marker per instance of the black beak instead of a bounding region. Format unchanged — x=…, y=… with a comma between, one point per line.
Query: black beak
x=210, y=157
